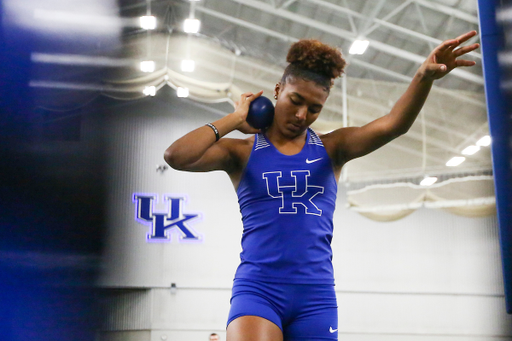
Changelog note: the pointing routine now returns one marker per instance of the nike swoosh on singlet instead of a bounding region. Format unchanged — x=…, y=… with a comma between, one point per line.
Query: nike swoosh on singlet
x=315, y=160
x=332, y=330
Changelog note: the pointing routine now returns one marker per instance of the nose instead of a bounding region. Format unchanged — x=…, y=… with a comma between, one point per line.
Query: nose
x=301, y=113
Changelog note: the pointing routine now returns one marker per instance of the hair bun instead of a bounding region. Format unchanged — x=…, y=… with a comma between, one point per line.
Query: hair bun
x=315, y=56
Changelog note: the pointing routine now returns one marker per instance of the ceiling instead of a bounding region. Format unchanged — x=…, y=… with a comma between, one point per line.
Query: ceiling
x=244, y=43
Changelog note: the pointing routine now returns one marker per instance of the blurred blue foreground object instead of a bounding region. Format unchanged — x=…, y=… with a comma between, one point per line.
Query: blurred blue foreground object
x=261, y=113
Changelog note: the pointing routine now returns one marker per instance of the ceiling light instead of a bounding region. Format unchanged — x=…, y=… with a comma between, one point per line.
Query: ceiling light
x=147, y=66
x=455, y=161
x=428, y=181
x=188, y=65
x=359, y=46
x=191, y=25
x=148, y=22
x=470, y=150
x=484, y=141
x=182, y=92
x=149, y=91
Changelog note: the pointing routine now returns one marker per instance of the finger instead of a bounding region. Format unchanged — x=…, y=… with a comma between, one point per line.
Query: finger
x=436, y=68
x=252, y=97
x=447, y=44
x=465, y=49
x=466, y=36
x=462, y=62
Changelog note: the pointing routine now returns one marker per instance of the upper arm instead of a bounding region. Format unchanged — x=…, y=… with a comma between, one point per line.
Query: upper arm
x=345, y=144
x=219, y=156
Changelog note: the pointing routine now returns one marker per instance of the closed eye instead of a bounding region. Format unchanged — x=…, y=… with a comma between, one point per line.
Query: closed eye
x=314, y=110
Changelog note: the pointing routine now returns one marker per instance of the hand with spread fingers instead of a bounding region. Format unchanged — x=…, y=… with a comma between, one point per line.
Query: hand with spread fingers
x=444, y=58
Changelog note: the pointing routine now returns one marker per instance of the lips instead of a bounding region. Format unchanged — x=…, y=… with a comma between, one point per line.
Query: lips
x=295, y=127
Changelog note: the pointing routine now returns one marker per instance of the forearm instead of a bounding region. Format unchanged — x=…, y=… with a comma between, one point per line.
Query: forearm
x=406, y=109
x=190, y=148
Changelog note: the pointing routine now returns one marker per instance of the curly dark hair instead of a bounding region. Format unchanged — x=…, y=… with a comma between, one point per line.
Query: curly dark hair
x=314, y=61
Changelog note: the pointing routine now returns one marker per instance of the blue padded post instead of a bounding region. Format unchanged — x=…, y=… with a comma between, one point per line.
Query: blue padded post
x=500, y=125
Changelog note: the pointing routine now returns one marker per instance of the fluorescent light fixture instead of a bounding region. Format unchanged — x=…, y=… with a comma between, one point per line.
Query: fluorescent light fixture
x=470, y=150
x=149, y=91
x=484, y=141
x=191, y=25
x=188, y=65
x=147, y=66
x=428, y=181
x=148, y=22
x=359, y=46
x=182, y=92
x=455, y=161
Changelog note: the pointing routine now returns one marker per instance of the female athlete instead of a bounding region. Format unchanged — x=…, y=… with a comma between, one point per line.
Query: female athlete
x=286, y=181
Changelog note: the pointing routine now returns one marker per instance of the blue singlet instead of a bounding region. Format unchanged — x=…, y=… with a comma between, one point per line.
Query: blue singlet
x=287, y=205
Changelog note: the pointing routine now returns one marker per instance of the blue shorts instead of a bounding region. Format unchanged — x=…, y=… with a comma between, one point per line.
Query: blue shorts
x=301, y=311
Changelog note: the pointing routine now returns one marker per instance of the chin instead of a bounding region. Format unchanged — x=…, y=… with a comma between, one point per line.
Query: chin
x=295, y=133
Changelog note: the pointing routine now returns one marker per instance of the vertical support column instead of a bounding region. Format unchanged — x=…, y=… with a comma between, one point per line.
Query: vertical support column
x=500, y=125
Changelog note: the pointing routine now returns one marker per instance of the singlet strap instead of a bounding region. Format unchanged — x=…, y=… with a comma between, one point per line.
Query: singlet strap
x=261, y=142
x=314, y=138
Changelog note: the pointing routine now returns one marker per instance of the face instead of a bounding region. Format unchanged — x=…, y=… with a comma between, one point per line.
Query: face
x=214, y=338
x=298, y=105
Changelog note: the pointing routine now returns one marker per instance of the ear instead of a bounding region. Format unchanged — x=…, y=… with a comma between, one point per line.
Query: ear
x=276, y=90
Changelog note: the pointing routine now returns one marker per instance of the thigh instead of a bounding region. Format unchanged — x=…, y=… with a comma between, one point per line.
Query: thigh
x=253, y=328
x=255, y=312
x=321, y=325
x=316, y=314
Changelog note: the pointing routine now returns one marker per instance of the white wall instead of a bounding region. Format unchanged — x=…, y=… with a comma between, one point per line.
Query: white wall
x=429, y=276
x=136, y=141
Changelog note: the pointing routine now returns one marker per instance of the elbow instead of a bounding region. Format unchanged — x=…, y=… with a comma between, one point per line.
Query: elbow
x=171, y=157
x=400, y=132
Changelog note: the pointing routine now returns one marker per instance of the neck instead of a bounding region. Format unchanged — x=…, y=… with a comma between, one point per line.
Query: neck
x=286, y=145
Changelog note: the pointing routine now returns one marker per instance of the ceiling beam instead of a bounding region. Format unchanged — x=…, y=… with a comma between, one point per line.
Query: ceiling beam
x=391, y=14
x=448, y=11
x=246, y=24
x=383, y=22
x=290, y=39
x=287, y=3
x=347, y=35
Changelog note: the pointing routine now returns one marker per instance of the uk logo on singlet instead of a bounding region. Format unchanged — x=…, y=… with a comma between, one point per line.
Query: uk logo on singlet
x=163, y=223
x=293, y=196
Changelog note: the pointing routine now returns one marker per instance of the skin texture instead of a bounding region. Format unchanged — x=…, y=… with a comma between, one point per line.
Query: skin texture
x=299, y=103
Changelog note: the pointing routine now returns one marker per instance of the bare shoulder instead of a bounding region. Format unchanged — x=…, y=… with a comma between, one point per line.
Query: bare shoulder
x=335, y=144
x=331, y=140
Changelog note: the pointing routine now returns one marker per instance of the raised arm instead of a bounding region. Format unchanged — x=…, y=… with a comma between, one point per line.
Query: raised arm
x=199, y=150
x=353, y=142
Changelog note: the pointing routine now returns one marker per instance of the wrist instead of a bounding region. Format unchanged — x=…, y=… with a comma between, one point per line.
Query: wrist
x=237, y=118
x=422, y=76
x=228, y=123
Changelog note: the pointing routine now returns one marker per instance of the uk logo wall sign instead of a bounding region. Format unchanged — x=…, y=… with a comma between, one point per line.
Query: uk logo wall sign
x=163, y=224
